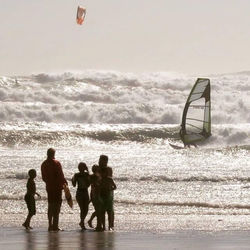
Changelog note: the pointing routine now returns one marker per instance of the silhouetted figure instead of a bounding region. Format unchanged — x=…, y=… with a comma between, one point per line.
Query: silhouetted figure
x=95, y=180
x=30, y=198
x=53, y=176
x=182, y=134
x=103, y=165
x=107, y=197
x=82, y=181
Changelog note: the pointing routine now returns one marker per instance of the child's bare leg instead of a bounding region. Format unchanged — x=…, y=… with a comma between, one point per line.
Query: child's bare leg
x=26, y=224
x=103, y=221
x=50, y=216
x=91, y=219
x=111, y=220
x=100, y=216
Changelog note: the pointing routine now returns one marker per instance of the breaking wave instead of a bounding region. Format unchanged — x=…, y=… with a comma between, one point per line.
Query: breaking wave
x=160, y=178
x=42, y=134
x=118, y=98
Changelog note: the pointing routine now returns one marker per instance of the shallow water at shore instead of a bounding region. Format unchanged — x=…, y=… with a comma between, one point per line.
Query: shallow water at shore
x=159, y=188
x=132, y=119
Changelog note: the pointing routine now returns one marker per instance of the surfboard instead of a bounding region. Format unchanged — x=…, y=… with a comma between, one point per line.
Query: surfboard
x=68, y=196
x=175, y=146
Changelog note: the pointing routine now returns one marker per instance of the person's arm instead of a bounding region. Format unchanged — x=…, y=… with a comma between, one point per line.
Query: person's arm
x=44, y=176
x=73, y=180
x=113, y=184
x=38, y=195
x=88, y=180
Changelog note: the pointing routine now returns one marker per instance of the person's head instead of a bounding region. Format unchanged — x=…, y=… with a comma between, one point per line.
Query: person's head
x=82, y=167
x=32, y=173
x=51, y=153
x=103, y=160
x=95, y=168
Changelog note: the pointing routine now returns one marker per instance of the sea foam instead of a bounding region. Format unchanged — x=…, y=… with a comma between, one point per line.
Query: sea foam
x=115, y=97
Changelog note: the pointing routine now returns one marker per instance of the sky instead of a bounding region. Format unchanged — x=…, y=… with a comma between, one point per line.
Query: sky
x=187, y=36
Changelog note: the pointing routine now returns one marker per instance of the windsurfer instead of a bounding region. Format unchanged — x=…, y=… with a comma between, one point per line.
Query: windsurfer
x=182, y=134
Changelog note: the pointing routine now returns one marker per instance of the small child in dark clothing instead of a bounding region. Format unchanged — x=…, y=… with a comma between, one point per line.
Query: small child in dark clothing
x=29, y=198
x=107, y=187
x=95, y=179
x=81, y=179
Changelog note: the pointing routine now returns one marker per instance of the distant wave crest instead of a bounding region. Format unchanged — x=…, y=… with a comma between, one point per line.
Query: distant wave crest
x=186, y=204
x=114, y=97
x=42, y=134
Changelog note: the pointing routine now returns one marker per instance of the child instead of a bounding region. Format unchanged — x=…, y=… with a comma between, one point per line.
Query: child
x=82, y=195
x=107, y=187
x=29, y=198
x=95, y=179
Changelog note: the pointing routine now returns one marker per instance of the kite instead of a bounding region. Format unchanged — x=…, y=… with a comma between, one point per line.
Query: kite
x=80, y=15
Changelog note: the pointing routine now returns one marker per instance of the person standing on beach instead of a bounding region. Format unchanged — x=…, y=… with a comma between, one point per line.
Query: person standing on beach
x=53, y=176
x=107, y=171
x=95, y=180
x=107, y=187
x=103, y=164
x=29, y=198
x=82, y=195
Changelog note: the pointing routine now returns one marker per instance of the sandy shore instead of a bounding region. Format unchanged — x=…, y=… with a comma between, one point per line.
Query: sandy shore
x=17, y=238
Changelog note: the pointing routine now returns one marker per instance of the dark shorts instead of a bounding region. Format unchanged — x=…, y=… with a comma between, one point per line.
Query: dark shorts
x=31, y=204
x=54, y=196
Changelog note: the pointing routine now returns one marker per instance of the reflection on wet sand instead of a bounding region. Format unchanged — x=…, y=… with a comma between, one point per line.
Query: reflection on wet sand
x=16, y=239
x=67, y=240
x=30, y=240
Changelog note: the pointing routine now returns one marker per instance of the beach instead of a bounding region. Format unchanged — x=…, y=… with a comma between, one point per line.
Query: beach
x=195, y=198
x=135, y=110
x=12, y=238
x=139, y=231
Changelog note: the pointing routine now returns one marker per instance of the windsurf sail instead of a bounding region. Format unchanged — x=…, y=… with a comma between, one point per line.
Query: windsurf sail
x=196, y=118
x=80, y=15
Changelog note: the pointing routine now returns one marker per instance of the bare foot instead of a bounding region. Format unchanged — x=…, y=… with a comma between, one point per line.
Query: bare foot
x=90, y=223
x=25, y=225
x=57, y=229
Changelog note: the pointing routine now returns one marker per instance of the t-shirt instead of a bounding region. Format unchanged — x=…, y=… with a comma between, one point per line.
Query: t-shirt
x=31, y=187
x=52, y=175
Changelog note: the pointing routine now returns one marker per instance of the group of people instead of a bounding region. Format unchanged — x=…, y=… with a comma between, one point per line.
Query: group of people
x=101, y=194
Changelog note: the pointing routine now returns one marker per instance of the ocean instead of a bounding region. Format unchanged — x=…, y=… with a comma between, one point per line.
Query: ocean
x=132, y=118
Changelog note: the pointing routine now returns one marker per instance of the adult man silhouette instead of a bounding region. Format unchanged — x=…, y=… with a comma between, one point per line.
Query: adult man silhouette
x=53, y=176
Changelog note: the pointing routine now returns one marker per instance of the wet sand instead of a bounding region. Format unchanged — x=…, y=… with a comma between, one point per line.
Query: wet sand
x=18, y=238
